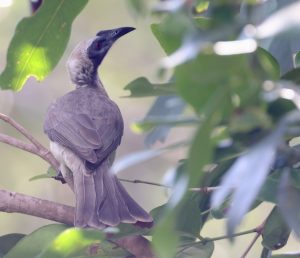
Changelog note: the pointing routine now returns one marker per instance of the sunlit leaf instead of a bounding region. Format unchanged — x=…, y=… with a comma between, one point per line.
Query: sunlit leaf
x=39, y=42
x=288, y=202
x=75, y=242
x=275, y=232
x=33, y=244
x=141, y=87
x=7, y=242
x=202, y=6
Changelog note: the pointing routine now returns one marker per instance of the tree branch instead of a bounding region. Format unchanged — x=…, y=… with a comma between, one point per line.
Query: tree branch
x=18, y=143
x=22, y=130
x=19, y=203
x=35, y=147
x=15, y=202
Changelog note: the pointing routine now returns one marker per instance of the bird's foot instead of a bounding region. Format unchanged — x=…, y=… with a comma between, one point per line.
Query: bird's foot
x=60, y=178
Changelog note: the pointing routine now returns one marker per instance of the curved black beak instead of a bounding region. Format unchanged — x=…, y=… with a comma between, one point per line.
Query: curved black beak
x=124, y=30
x=114, y=34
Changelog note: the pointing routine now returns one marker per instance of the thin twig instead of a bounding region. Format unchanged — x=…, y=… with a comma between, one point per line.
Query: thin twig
x=22, y=130
x=137, y=181
x=35, y=148
x=200, y=189
x=206, y=240
x=258, y=231
x=18, y=143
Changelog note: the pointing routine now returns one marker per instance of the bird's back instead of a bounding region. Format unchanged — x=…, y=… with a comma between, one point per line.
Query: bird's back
x=86, y=121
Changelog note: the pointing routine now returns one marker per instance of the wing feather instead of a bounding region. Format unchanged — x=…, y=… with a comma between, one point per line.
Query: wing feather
x=89, y=124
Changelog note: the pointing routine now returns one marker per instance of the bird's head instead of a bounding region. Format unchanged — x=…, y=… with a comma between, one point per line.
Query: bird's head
x=88, y=55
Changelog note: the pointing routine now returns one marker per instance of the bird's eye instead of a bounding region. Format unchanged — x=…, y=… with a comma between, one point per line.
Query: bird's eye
x=115, y=32
x=98, y=45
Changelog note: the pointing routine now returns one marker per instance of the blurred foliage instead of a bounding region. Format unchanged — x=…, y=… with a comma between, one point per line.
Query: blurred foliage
x=234, y=80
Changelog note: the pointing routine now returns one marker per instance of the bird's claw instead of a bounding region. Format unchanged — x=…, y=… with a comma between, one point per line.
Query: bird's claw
x=60, y=178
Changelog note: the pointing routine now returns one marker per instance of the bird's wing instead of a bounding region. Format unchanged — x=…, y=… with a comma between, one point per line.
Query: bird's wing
x=91, y=135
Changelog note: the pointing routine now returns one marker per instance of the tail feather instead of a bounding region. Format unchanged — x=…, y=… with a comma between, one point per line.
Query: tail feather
x=135, y=210
x=84, y=188
x=101, y=200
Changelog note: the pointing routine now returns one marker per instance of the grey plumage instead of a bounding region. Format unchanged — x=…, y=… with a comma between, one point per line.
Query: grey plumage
x=85, y=128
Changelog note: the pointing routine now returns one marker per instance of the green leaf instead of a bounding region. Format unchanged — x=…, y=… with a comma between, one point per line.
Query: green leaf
x=201, y=6
x=165, y=238
x=31, y=245
x=293, y=75
x=196, y=250
x=247, y=175
x=268, y=63
x=276, y=232
x=294, y=255
x=199, y=79
x=266, y=253
x=141, y=87
x=201, y=150
x=125, y=229
x=288, y=202
x=189, y=219
x=249, y=119
x=50, y=174
x=272, y=183
x=297, y=60
x=7, y=242
x=75, y=242
x=138, y=6
x=148, y=123
x=172, y=30
x=39, y=42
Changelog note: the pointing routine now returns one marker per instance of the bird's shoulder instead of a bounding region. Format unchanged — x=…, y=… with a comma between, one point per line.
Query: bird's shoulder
x=84, y=103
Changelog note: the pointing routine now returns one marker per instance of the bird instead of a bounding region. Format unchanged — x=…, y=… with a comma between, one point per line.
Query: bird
x=85, y=128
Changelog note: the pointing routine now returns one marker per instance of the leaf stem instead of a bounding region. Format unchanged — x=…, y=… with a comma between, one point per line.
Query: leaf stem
x=206, y=240
x=200, y=189
x=250, y=231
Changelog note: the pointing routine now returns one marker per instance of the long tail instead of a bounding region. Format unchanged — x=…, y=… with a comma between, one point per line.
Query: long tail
x=101, y=200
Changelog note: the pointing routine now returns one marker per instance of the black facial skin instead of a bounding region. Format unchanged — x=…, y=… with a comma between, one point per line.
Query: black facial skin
x=105, y=39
